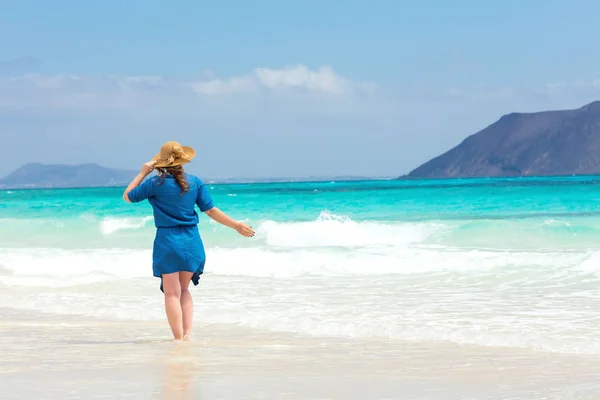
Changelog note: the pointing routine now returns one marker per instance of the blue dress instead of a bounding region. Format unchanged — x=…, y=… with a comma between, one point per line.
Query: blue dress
x=177, y=245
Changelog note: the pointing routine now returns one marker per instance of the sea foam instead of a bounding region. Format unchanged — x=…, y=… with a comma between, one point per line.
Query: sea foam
x=110, y=225
x=56, y=267
x=330, y=230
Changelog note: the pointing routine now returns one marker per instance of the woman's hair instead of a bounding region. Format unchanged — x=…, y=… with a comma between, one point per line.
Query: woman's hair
x=177, y=173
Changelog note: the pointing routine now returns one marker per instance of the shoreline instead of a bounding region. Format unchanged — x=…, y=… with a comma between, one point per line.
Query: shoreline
x=55, y=356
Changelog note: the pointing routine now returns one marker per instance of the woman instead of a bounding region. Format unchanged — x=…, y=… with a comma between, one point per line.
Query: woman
x=178, y=256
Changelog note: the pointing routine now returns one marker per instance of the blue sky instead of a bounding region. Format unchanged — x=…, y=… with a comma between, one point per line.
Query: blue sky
x=273, y=88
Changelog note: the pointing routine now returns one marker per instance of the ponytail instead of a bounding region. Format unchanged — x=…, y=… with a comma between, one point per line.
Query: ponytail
x=177, y=173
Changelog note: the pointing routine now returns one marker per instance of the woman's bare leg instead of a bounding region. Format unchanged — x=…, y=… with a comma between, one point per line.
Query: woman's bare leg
x=187, y=305
x=172, y=289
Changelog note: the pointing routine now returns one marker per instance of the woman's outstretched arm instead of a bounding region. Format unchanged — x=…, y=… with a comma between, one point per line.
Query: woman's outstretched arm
x=222, y=218
x=147, y=168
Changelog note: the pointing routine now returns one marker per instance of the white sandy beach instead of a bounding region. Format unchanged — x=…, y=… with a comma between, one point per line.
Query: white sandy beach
x=51, y=357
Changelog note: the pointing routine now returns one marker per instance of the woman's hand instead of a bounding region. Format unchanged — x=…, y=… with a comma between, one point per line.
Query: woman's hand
x=244, y=229
x=223, y=219
x=147, y=168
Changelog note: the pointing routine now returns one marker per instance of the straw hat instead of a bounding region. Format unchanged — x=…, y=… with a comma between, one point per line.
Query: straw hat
x=172, y=154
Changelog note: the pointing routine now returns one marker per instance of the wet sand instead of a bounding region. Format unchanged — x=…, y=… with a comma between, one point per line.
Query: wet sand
x=55, y=357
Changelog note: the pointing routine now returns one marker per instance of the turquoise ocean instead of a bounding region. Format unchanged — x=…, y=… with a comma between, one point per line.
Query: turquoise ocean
x=491, y=262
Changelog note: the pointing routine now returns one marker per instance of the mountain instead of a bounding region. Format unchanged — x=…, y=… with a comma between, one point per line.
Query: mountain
x=59, y=175
x=546, y=143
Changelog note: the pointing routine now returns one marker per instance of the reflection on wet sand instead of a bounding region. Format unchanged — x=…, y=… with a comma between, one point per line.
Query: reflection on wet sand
x=181, y=369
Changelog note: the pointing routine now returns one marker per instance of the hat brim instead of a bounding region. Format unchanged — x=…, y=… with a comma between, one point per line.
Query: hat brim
x=190, y=152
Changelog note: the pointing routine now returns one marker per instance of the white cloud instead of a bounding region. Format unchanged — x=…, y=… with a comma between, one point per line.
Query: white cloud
x=219, y=86
x=323, y=80
x=295, y=90
x=111, y=92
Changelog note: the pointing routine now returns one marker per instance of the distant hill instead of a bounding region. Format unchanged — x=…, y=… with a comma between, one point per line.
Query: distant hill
x=59, y=176
x=546, y=143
